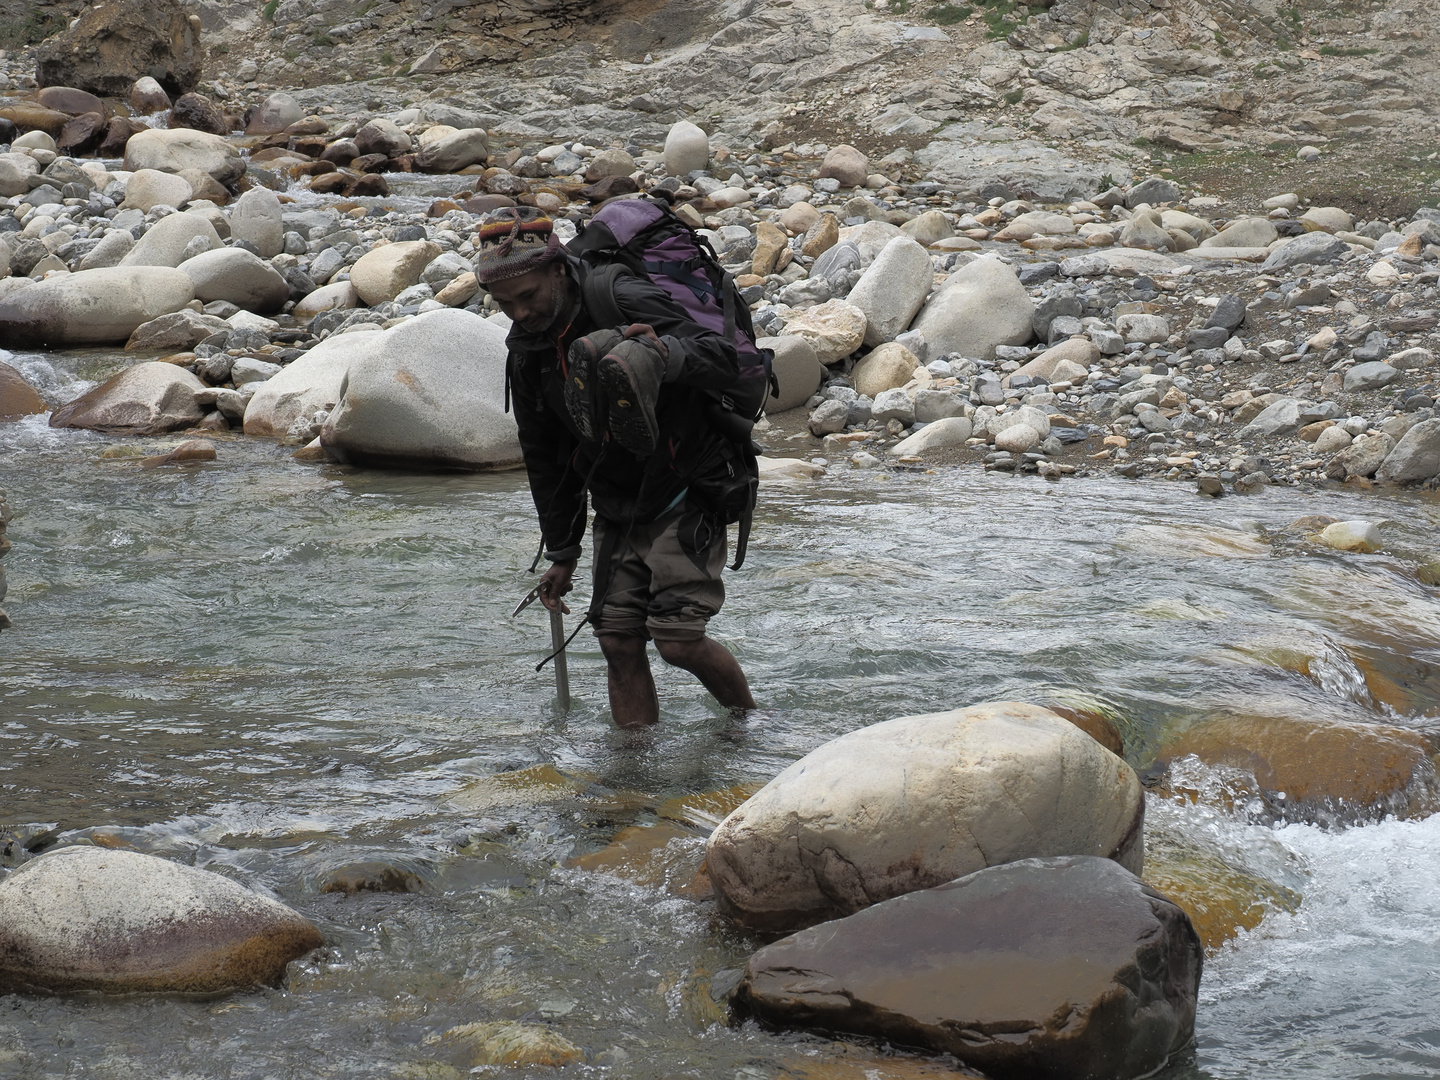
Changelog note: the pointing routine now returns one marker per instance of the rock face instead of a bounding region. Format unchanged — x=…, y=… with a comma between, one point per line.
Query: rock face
x=92, y=307
x=911, y=803
x=17, y=397
x=85, y=918
x=182, y=149
x=145, y=399
x=893, y=289
x=113, y=44
x=979, y=307
x=308, y=384
x=431, y=395
x=1044, y=969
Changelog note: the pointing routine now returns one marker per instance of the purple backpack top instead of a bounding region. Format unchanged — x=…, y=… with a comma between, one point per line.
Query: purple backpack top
x=643, y=237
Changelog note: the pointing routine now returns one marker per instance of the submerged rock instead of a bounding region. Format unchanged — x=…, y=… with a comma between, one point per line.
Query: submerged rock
x=910, y=803
x=507, y=1043
x=17, y=397
x=84, y=918
x=145, y=399
x=1013, y=969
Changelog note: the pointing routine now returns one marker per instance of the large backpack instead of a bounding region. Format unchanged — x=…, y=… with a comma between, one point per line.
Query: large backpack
x=645, y=238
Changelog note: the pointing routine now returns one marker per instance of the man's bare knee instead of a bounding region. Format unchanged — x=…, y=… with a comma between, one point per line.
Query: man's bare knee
x=621, y=649
x=681, y=654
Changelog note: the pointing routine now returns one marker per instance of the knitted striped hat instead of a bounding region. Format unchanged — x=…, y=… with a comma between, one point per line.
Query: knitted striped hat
x=515, y=240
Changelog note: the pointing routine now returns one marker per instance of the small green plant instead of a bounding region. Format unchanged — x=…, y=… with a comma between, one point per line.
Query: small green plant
x=30, y=30
x=1107, y=182
x=949, y=14
x=268, y=11
x=1332, y=50
x=1078, y=43
x=387, y=58
x=221, y=50
x=290, y=55
x=322, y=39
x=1013, y=97
x=899, y=7
x=1219, y=38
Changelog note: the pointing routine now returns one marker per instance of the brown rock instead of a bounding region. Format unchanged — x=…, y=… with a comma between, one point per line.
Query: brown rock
x=310, y=145
x=113, y=44
x=118, y=130
x=341, y=152
x=608, y=188
x=847, y=165
x=371, y=877
x=441, y=207
x=189, y=451
x=81, y=135
x=1304, y=768
x=17, y=397
x=770, y=241
x=198, y=112
x=146, y=399
x=1011, y=969
x=821, y=236
x=147, y=96
x=27, y=116
x=371, y=185
x=310, y=125
x=312, y=168
x=71, y=101
x=370, y=163
x=332, y=183
x=484, y=204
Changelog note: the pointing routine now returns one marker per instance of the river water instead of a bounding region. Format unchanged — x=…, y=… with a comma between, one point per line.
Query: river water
x=274, y=670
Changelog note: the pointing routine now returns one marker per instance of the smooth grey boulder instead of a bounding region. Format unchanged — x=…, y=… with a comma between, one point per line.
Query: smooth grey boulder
x=1278, y=418
x=165, y=242
x=455, y=151
x=236, y=275
x=257, y=219
x=431, y=395
x=110, y=251
x=892, y=289
x=1370, y=376
x=274, y=114
x=177, y=150
x=797, y=371
x=952, y=431
x=978, y=307
x=308, y=384
x=1363, y=457
x=1416, y=456
x=1041, y=969
x=687, y=148
x=183, y=329
x=1313, y=247
x=1153, y=191
x=911, y=803
x=89, y=918
x=145, y=399
x=91, y=307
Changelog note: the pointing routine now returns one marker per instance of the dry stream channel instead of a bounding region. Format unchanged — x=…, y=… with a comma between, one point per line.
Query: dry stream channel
x=274, y=670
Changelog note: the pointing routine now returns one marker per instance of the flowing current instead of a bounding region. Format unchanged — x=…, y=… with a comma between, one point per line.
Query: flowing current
x=274, y=670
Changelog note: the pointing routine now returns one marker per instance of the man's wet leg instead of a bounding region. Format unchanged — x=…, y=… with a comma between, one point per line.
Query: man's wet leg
x=633, y=701
x=714, y=665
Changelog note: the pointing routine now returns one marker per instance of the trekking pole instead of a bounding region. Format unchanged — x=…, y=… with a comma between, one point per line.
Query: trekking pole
x=557, y=643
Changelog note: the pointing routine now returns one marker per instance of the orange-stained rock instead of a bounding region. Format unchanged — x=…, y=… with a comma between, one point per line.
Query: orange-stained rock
x=17, y=397
x=1220, y=899
x=1317, y=764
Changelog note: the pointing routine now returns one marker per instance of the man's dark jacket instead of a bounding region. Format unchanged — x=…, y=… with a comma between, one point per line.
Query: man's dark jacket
x=622, y=486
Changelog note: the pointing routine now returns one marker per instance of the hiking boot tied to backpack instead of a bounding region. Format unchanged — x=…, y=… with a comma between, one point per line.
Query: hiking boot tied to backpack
x=613, y=384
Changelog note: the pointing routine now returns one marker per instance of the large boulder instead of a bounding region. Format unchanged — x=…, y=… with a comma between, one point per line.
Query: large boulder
x=1416, y=456
x=113, y=44
x=70, y=100
x=381, y=136
x=88, y=918
x=257, y=218
x=430, y=395
x=17, y=397
x=796, y=370
x=383, y=273
x=183, y=329
x=978, y=307
x=687, y=149
x=847, y=165
x=199, y=113
x=453, y=152
x=16, y=169
x=238, y=276
x=1312, y=247
x=145, y=399
x=182, y=149
x=308, y=384
x=911, y=803
x=165, y=242
x=893, y=289
x=1042, y=969
x=91, y=307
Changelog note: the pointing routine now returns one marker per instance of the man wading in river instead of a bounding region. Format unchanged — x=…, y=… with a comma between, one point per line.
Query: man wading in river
x=622, y=409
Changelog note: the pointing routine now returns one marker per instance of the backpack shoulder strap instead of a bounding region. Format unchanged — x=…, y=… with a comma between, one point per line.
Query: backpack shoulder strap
x=597, y=291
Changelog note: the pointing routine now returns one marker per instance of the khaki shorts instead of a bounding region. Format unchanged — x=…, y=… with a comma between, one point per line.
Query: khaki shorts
x=664, y=582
